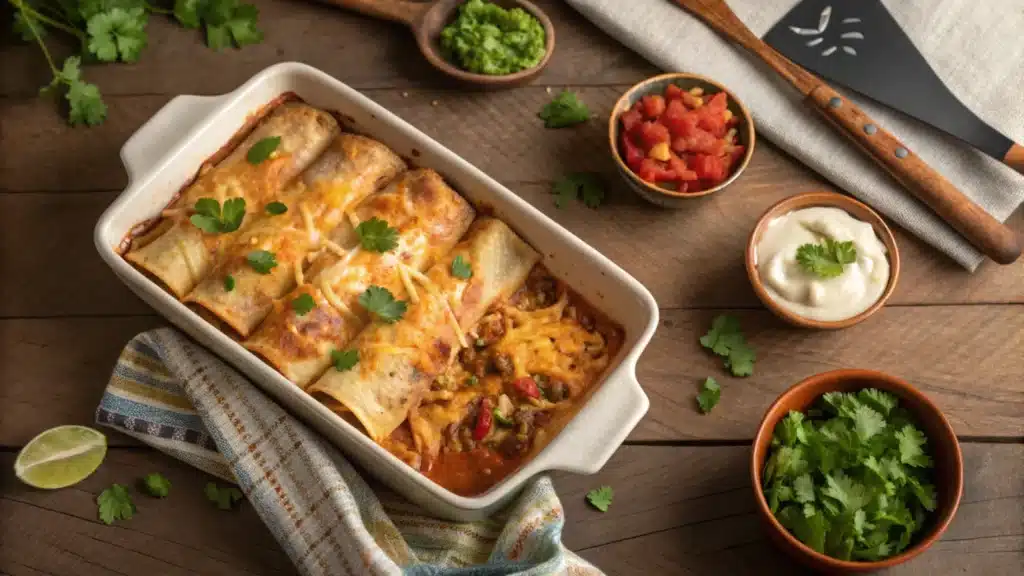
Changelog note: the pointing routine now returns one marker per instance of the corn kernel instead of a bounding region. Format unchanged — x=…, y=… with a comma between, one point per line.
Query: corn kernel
x=696, y=91
x=659, y=151
x=728, y=115
x=698, y=102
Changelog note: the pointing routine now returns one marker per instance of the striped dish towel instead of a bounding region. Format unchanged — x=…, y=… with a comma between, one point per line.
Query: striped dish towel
x=177, y=397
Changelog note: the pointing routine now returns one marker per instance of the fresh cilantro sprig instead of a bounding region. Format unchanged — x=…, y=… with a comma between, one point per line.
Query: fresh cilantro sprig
x=276, y=208
x=851, y=478
x=262, y=261
x=725, y=339
x=826, y=259
x=601, y=498
x=382, y=304
x=115, y=503
x=224, y=497
x=710, y=393
x=344, y=359
x=303, y=304
x=262, y=150
x=585, y=185
x=115, y=31
x=156, y=485
x=375, y=235
x=461, y=268
x=213, y=219
x=565, y=110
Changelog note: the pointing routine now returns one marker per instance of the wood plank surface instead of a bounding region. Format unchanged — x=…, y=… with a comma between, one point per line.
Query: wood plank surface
x=979, y=387
x=360, y=51
x=677, y=510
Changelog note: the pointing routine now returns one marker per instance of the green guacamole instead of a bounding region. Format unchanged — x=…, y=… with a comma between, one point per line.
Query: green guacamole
x=487, y=39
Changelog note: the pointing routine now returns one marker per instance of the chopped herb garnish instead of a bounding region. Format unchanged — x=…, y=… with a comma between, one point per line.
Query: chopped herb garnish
x=565, y=110
x=210, y=218
x=726, y=339
x=585, y=185
x=472, y=380
x=262, y=261
x=461, y=268
x=229, y=283
x=344, y=359
x=303, y=304
x=262, y=150
x=277, y=208
x=375, y=235
x=502, y=419
x=710, y=392
x=382, y=304
x=225, y=497
x=156, y=485
x=601, y=498
x=826, y=260
x=115, y=503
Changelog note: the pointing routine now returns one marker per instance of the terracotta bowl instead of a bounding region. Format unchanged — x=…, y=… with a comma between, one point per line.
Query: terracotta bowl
x=830, y=199
x=656, y=85
x=942, y=444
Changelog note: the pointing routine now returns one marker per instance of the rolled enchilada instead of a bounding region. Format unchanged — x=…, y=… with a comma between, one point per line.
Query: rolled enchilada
x=177, y=252
x=428, y=218
x=347, y=172
x=398, y=361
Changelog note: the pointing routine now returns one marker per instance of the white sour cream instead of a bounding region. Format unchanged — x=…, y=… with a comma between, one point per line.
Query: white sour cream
x=825, y=299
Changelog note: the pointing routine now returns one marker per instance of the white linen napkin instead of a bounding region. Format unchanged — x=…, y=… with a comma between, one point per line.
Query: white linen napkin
x=975, y=47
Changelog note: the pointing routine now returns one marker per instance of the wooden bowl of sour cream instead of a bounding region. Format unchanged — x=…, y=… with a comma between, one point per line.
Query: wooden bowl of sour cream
x=822, y=260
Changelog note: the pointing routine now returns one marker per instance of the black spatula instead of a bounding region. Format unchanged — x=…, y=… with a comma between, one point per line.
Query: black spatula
x=857, y=43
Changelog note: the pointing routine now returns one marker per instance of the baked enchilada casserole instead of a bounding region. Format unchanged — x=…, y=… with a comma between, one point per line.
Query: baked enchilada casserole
x=381, y=292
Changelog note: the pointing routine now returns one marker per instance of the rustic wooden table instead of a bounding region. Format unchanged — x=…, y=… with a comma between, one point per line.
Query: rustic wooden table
x=683, y=498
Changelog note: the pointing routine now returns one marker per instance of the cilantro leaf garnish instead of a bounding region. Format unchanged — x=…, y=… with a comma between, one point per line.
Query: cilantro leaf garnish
x=826, y=260
x=115, y=503
x=565, y=110
x=262, y=150
x=276, y=208
x=262, y=261
x=710, y=392
x=851, y=477
x=461, y=268
x=303, y=304
x=375, y=235
x=156, y=485
x=229, y=283
x=725, y=339
x=210, y=218
x=601, y=498
x=344, y=359
x=117, y=33
x=585, y=185
x=382, y=304
x=225, y=497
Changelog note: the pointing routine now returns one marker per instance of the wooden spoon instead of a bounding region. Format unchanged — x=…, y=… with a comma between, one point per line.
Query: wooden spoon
x=988, y=235
x=427, y=19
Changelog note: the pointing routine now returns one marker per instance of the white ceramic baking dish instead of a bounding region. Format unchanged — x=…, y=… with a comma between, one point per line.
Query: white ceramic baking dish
x=168, y=150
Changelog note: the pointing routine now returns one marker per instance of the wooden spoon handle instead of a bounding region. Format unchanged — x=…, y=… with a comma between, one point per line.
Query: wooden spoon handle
x=1015, y=158
x=395, y=10
x=989, y=235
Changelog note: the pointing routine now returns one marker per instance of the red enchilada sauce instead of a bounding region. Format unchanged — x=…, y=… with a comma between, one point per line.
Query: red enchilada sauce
x=530, y=363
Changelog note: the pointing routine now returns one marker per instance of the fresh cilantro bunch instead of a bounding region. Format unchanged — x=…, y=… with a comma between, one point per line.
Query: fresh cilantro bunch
x=115, y=31
x=826, y=260
x=851, y=477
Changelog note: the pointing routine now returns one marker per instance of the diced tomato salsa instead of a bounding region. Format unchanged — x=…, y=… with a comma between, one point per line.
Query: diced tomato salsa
x=681, y=140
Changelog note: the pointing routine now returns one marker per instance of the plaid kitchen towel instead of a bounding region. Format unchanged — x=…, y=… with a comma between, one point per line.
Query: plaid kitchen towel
x=975, y=47
x=174, y=395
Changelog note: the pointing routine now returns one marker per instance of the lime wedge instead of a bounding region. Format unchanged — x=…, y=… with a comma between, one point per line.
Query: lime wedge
x=60, y=457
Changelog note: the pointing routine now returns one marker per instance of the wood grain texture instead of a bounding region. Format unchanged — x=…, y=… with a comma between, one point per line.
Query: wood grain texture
x=360, y=51
x=687, y=510
x=58, y=532
x=677, y=255
x=978, y=387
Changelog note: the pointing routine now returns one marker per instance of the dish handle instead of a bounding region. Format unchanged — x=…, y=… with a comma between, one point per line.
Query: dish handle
x=163, y=131
x=617, y=408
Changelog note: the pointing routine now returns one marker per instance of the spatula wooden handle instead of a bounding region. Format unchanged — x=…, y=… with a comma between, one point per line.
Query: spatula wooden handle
x=990, y=236
x=1015, y=158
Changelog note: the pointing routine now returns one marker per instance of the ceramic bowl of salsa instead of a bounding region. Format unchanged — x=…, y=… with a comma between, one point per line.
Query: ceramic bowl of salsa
x=675, y=137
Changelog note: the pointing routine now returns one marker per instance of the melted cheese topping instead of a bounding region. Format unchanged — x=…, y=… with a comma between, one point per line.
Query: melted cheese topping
x=311, y=229
x=448, y=313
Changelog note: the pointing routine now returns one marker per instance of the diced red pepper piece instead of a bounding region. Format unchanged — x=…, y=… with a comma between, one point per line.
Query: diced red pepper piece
x=652, y=133
x=703, y=142
x=631, y=118
x=707, y=167
x=654, y=105
x=687, y=176
x=673, y=91
x=714, y=123
x=676, y=164
x=484, y=420
x=633, y=154
x=653, y=171
x=526, y=387
x=717, y=103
